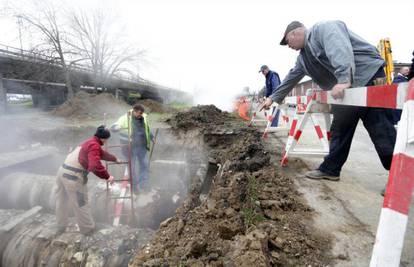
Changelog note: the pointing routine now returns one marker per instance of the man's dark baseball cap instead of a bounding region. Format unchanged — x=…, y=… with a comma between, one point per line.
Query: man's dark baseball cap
x=264, y=67
x=293, y=25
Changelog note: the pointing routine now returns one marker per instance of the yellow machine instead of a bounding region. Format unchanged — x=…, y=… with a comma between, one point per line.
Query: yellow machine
x=384, y=48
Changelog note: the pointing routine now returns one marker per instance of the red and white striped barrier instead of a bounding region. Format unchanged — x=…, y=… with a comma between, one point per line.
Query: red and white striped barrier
x=256, y=112
x=278, y=111
x=301, y=102
x=381, y=96
x=394, y=215
x=268, y=117
x=298, y=124
x=384, y=96
x=254, y=118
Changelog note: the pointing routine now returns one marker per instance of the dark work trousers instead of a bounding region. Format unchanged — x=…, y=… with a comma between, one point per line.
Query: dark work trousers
x=395, y=115
x=275, y=121
x=139, y=163
x=345, y=120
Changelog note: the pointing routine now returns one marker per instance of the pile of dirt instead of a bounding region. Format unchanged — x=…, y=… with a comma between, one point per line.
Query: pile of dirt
x=198, y=117
x=252, y=215
x=154, y=106
x=91, y=106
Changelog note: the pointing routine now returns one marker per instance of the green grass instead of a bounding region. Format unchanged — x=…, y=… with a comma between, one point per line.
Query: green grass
x=28, y=103
x=158, y=117
x=251, y=216
x=179, y=105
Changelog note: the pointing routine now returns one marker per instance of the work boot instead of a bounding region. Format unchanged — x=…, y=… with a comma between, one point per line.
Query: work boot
x=318, y=175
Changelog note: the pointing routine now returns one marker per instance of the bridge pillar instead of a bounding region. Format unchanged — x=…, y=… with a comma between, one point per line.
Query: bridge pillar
x=3, y=96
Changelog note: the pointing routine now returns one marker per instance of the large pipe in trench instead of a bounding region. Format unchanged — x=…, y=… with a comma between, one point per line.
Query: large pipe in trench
x=22, y=190
x=30, y=238
x=34, y=241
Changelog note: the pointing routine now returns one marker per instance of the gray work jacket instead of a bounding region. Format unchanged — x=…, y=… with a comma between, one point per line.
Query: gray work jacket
x=332, y=54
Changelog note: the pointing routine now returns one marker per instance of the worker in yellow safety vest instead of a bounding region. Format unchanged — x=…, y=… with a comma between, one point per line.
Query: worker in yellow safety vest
x=135, y=127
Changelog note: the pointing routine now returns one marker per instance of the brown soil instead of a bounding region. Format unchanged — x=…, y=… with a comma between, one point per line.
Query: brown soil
x=91, y=106
x=198, y=117
x=154, y=106
x=252, y=216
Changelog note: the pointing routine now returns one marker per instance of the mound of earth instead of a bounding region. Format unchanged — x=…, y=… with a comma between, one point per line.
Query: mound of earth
x=91, y=106
x=154, y=106
x=252, y=215
x=199, y=116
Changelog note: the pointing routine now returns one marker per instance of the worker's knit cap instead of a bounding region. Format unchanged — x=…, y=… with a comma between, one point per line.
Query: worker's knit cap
x=102, y=132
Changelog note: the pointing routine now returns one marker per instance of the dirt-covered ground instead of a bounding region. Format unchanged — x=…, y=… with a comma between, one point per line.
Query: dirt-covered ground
x=252, y=215
x=154, y=106
x=85, y=106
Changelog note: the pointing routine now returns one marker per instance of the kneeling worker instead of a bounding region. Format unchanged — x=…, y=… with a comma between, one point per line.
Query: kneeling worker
x=72, y=178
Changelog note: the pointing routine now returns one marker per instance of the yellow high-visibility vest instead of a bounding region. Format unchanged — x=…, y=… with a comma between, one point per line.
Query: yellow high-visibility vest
x=125, y=122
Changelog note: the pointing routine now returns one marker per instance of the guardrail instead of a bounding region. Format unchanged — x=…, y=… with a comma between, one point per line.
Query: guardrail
x=32, y=56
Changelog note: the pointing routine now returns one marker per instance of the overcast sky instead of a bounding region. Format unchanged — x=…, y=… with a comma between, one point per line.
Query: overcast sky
x=215, y=47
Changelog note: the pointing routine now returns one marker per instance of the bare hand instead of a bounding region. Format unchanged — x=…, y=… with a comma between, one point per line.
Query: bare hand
x=266, y=105
x=115, y=128
x=338, y=91
x=111, y=180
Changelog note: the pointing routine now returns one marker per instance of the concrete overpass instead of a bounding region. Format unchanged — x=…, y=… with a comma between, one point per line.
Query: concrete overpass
x=26, y=72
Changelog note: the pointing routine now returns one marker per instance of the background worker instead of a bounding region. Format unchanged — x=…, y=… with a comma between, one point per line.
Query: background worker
x=401, y=77
x=336, y=59
x=141, y=138
x=72, y=179
x=272, y=82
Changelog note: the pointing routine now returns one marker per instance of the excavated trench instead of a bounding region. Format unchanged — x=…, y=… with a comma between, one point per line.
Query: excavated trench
x=216, y=200
x=27, y=201
x=246, y=213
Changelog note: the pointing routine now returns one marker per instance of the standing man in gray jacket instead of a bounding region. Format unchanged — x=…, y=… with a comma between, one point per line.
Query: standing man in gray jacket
x=337, y=59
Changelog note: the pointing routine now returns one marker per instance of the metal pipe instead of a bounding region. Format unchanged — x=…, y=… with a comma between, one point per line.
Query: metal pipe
x=33, y=240
x=25, y=190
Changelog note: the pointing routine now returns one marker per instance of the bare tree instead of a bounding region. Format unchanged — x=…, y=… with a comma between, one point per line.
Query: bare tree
x=55, y=37
x=67, y=38
x=96, y=39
